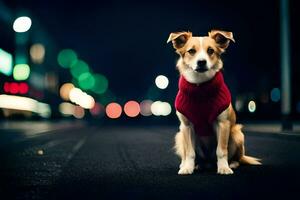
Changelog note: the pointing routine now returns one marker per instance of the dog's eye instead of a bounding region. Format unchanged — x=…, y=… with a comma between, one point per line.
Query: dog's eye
x=192, y=51
x=210, y=51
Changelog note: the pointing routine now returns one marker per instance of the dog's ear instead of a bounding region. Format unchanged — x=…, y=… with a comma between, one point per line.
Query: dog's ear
x=222, y=38
x=179, y=39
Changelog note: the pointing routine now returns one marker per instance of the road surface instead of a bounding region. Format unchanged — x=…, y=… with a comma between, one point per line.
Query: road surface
x=81, y=161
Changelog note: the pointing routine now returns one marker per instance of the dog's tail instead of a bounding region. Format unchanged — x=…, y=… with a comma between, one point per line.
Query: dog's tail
x=238, y=138
x=248, y=160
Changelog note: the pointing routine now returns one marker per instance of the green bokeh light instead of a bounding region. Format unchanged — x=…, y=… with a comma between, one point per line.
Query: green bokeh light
x=78, y=68
x=101, y=84
x=6, y=62
x=21, y=72
x=66, y=58
x=86, y=81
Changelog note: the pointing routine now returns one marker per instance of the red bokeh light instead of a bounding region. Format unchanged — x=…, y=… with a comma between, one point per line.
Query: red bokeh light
x=132, y=108
x=6, y=87
x=113, y=110
x=23, y=88
x=14, y=88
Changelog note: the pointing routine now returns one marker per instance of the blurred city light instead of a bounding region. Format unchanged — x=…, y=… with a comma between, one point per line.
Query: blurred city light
x=6, y=62
x=113, y=110
x=37, y=53
x=86, y=81
x=162, y=82
x=78, y=112
x=22, y=24
x=65, y=91
x=239, y=105
x=275, y=94
x=79, y=67
x=66, y=58
x=159, y=108
x=66, y=109
x=81, y=98
x=16, y=88
x=23, y=88
x=25, y=104
x=97, y=110
x=251, y=106
x=21, y=72
x=75, y=94
x=132, y=108
x=145, y=107
x=101, y=84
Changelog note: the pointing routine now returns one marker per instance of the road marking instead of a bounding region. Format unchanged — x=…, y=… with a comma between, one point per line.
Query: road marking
x=76, y=148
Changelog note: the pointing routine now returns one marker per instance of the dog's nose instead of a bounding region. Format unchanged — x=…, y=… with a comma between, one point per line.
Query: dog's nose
x=201, y=63
x=201, y=66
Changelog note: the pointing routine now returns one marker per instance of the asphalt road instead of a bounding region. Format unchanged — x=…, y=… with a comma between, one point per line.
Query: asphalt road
x=90, y=162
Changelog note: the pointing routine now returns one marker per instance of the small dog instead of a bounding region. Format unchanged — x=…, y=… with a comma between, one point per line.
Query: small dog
x=208, y=129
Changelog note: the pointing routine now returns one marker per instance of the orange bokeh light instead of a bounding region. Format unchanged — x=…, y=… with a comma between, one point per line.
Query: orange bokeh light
x=113, y=110
x=132, y=108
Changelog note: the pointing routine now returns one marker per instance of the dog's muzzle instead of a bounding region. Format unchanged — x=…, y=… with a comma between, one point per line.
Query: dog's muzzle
x=201, y=66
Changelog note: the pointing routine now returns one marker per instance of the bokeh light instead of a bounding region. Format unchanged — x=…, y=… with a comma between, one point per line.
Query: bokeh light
x=14, y=88
x=65, y=91
x=97, y=110
x=162, y=82
x=66, y=109
x=75, y=94
x=23, y=88
x=113, y=110
x=37, y=53
x=132, y=108
x=101, y=84
x=81, y=98
x=6, y=62
x=22, y=24
x=159, y=108
x=275, y=94
x=86, y=81
x=79, y=67
x=66, y=58
x=145, y=107
x=252, y=106
x=21, y=72
x=78, y=112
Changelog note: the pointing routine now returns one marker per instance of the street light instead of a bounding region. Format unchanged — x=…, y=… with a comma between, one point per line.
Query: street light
x=22, y=24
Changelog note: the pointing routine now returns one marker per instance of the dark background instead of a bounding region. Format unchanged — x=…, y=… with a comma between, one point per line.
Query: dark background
x=126, y=41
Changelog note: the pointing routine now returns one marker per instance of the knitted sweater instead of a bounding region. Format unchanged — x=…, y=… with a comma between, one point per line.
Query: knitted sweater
x=201, y=104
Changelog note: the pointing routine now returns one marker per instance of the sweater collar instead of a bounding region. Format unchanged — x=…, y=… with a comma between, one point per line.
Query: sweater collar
x=206, y=89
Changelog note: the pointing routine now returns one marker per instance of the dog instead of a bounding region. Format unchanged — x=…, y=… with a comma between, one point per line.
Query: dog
x=208, y=129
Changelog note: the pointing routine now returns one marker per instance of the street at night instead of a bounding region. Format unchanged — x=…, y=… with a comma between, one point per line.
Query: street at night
x=80, y=161
x=143, y=99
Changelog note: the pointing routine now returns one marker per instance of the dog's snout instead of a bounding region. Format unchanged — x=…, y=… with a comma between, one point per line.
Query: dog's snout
x=201, y=66
x=201, y=63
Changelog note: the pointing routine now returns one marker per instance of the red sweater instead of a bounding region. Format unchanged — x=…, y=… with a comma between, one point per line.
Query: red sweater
x=202, y=104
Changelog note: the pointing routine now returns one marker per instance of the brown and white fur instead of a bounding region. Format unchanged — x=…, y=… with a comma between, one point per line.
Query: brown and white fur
x=200, y=59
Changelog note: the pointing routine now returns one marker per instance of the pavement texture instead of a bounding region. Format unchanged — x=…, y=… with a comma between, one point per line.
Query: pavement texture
x=120, y=162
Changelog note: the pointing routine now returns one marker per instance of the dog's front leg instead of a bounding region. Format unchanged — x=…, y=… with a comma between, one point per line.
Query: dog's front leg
x=223, y=132
x=185, y=146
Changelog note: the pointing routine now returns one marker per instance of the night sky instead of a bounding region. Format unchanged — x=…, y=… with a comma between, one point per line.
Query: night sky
x=126, y=40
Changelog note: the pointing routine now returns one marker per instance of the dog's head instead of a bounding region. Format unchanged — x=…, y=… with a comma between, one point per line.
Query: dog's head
x=201, y=54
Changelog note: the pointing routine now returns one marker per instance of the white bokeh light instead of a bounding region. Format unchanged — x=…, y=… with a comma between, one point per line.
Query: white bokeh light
x=22, y=24
x=162, y=82
x=159, y=108
x=252, y=106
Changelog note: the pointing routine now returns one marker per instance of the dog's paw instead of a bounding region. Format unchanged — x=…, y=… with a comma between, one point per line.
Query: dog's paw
x=187, y=167
x=225, y=170
x=185, y=170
